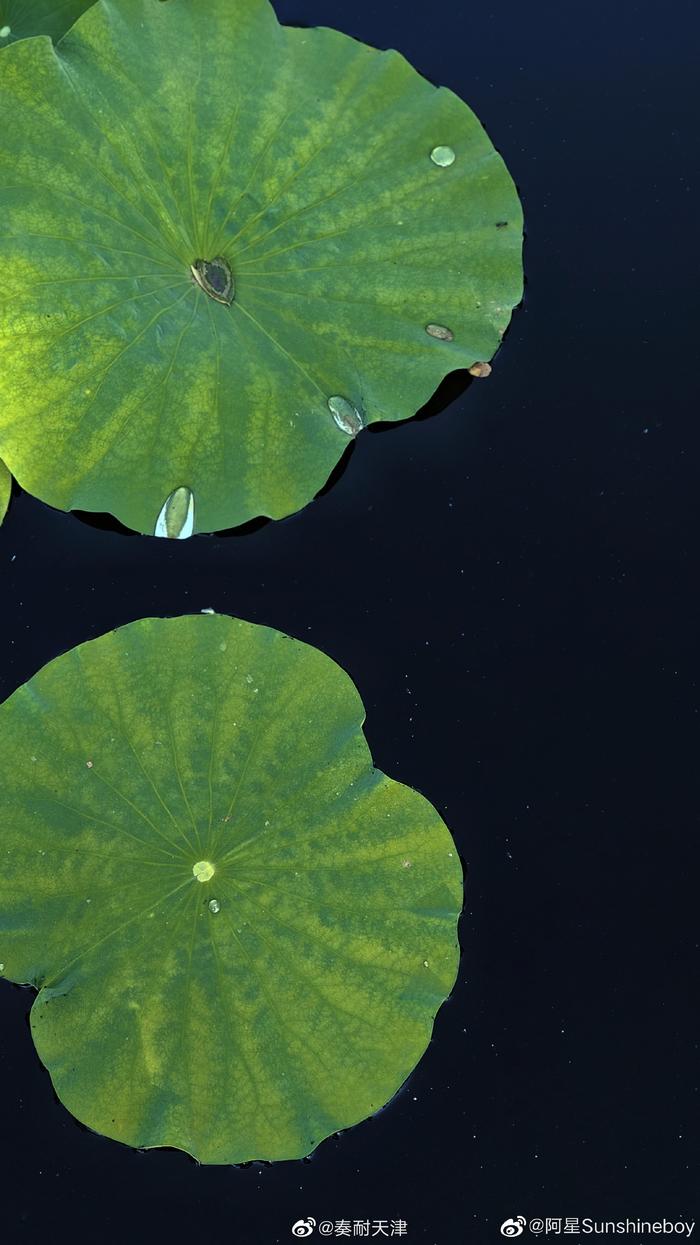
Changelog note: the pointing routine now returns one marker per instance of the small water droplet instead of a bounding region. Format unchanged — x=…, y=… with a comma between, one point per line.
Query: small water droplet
x=406, y=864
x=214, y=905
x=2, y=966
x=176, y=519
x=5, y=32
x=443, y=157
x=346, y=416
x=440, y=331
x=216, y=279
x=203, y=870
x=89, y=764
x=425, y=964
x=249, y=678
x=480, y=370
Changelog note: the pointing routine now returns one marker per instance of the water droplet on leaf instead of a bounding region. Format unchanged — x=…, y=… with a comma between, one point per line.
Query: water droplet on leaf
x=346, y=416
x=440, y=331
x=176, y=519
x=443, y=157
x=214, y=905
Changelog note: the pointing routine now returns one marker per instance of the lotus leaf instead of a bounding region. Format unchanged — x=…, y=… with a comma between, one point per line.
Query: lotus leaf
x=239, y=929
x=227, y=247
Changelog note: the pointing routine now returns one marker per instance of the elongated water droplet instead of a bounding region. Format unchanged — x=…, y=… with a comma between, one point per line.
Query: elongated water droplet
x=216, y=279
x=5, y=32
x=440, y=331
x=346, y=416
x=214, y=905
x=203, y=870
x=443, y=157
x=2, y=966
x=176, y=519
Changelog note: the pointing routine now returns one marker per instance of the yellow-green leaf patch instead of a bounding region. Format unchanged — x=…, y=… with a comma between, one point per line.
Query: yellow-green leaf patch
x=5, y=489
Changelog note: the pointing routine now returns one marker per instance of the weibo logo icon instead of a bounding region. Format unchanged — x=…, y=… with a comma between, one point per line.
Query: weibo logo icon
x=513, y=1227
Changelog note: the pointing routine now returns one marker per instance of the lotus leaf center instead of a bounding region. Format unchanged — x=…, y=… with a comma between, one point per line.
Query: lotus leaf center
x=203, y=870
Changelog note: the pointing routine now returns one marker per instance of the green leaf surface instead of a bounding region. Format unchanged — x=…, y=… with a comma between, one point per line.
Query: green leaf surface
x=356, y=209
x=240, y=930
x=21, y=18
x=5, y=489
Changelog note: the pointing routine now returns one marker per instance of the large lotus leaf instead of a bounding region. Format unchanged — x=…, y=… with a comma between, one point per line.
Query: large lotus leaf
x=21, y=18
x=369, y=232
x=5, y=489
x=240, y=930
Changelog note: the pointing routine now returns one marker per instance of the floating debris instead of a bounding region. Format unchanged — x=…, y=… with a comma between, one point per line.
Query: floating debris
x=480, y=370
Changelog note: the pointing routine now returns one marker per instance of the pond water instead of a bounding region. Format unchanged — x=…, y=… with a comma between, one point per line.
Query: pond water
x=511, y=582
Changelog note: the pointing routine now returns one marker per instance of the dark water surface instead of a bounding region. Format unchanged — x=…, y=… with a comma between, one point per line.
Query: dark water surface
x=512, y=584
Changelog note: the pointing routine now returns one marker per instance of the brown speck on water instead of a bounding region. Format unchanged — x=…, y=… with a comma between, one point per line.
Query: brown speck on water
x=480, y=370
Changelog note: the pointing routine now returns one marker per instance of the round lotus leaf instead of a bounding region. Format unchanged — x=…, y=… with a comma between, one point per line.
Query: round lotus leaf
x=226, y=248
x=240, y=930
x=21, y=18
